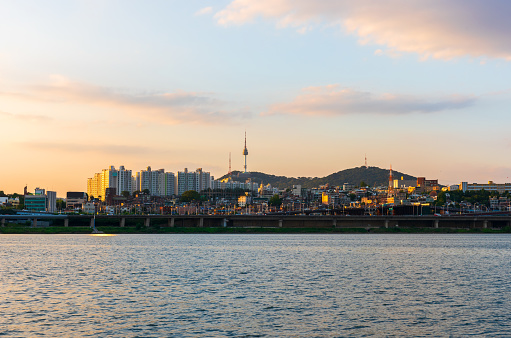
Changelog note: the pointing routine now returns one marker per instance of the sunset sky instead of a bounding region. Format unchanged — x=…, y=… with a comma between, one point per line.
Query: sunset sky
x=316, y=84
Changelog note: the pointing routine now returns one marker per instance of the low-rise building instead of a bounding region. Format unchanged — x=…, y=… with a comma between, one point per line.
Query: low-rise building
x=243, y=201
x=329, y=198
x=425, y=186
x=35, y=203
x=75, y=199
x=14, y=201
x=491, y=186
x=402, y=183
x=297, y=190
x=89, y=208
x=41, y=201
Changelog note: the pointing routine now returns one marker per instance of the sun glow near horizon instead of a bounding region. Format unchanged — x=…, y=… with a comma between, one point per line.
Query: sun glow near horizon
x=316, y=84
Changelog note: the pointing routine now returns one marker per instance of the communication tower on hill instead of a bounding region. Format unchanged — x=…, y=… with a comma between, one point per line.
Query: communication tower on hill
x=391, y=183
x=245, y=151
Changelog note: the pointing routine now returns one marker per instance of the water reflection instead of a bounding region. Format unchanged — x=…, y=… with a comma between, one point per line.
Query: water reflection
x=245, y=285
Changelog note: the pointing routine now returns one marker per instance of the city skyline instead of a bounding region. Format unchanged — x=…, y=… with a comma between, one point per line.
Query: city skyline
x=316, y=85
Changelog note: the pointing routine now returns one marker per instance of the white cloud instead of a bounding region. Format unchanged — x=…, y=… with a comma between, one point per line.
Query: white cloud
x=332, y=100
x=388, y=52
x=434, y=28
x=205, y=10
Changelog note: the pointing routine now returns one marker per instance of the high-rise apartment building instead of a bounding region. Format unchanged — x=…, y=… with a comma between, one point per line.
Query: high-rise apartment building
x=144, y=179
x=109, y=179
x=198, y=180
x=124, y=181
x=97, y=185
x=202, y=179
x=51, y=201
x=158, y=182
x=94, y=186
x=169, y=184
x=183, y=182
x=134, y=185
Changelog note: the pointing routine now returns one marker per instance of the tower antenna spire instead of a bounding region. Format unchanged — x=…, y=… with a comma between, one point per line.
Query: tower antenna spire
x=230, y=164
x=391, y=183
x=365, y=160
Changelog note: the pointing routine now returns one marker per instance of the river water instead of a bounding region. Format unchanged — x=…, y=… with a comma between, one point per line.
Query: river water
x=255, y=285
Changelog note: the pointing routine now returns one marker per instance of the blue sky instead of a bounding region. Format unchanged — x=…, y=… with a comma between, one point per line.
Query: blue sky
x=317, y=84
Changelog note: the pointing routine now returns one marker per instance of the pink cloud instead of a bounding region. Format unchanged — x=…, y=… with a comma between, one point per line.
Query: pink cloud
x=32, y=118
x=438, y=29
x=332, y=100
x=170, y=108
x=106, y=149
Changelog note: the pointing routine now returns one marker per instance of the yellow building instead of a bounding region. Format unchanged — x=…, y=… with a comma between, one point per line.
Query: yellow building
x=97, y=185
x=94, y=186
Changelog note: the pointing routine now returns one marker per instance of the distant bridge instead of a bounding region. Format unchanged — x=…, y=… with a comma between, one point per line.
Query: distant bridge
x=271, y=221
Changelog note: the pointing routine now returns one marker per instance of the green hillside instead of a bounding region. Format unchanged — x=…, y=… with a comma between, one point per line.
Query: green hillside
x=372, y=176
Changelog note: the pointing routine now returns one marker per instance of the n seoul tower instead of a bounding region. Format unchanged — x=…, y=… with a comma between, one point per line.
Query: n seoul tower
x=245, y=151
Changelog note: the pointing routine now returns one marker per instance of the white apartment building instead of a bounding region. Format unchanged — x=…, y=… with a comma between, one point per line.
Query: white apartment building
x=198, y=180
x=169, y=183
x=182, y=181
x=124, y=181
x=203, y=179
x=144, y=179
x=158, y=182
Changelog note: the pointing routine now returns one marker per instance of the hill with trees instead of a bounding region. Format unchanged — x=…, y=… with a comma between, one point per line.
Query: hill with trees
x=371, y=176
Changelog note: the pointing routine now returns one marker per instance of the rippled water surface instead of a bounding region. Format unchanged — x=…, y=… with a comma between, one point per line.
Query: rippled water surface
x=255, y=285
